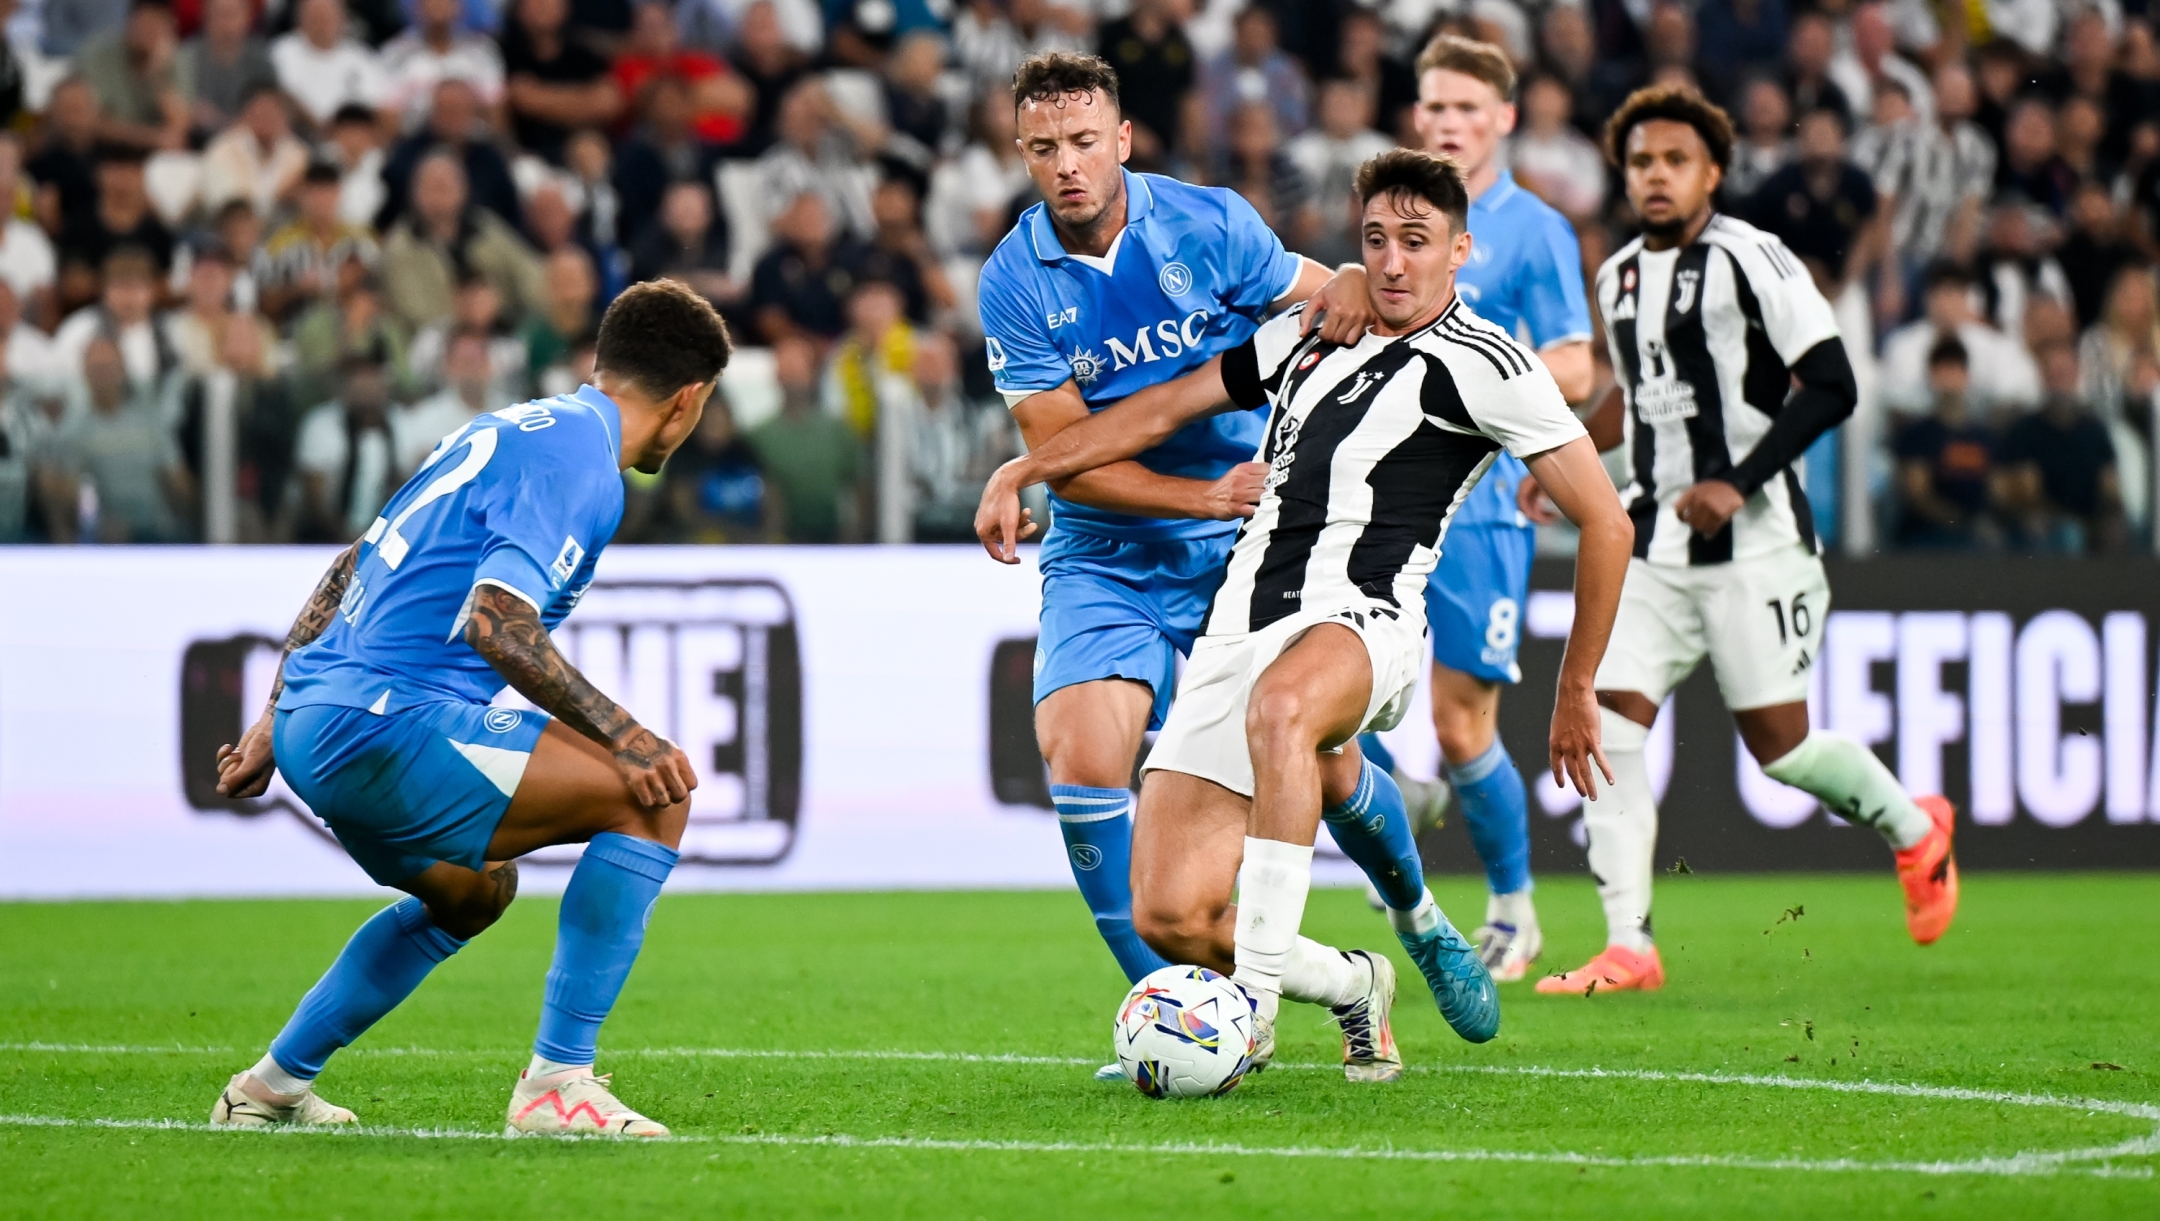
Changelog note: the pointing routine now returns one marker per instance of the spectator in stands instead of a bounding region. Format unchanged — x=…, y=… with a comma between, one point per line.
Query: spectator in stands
x=239, y=229
x=662, y=149
x=222, y=65
x=1765, y=145
x=2003, y=378
x=811, y=458
x=65, y=165
x=765, y=59
x=454, y=125
x=556, y=83
x=953, y=445
x=115, y=444
x=899, y=253
x=2015, y=269
x=1328, y=157
x=2030, y=166
x=27, y=262
x=1946, y=463
x=1556, y=162
x=439, y=236
x=324, y=69
x=1742, y=35
x=355, y=144
x=602, y=226
x=468, y=391
x=1255, y=69
x=570, y=318
x=820, y=149
x=688, y=242
x=863, y=33
x=27, y=352
x=2095, y=250
x=257, y=159
x=1255, y=166
x=878, y=346
x=437, y=48
x=479, y=308
x=1822, y=206
x=2060, y=486
x=970, y=206
x=352, y=323
x=715, y=487
x=134, y=73
x=306, y=259
x=1570, y=53
x=916, y=116
x=120, y=216
x=345, y=457
x=197, y=329
x=2090, y=70
x=2079, y=128
x=719, y=100
x=25, y=460
x=1935, y=179
x=798, y=284
x=2126, y=334
x=123, y=316
x=1808, y=80
x=1155, y=67
x=264, y=425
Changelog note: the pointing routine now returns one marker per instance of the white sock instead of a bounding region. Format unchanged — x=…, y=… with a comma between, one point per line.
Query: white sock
x=547, y=1068
x=1419, y=920
x=1514, y=910
x=1323, y=975
x=1852, y=784
x=277, y=1080
x=1272, y=885
x=1622, y=828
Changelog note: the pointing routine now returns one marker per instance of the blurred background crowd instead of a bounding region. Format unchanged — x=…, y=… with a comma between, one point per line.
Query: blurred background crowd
x=260, y=255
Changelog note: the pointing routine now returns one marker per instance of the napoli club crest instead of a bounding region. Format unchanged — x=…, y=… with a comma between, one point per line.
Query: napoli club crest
x=1175, y=280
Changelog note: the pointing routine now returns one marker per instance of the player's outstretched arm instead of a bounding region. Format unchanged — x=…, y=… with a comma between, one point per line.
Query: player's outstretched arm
x=507, y=631
x=1577, y=483
x=245, y=770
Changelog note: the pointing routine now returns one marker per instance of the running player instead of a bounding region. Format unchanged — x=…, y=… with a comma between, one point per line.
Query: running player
x=1711, y=323
x=1525, y=276
x=381, y=722
x=1371, y=449
x=1115, y=282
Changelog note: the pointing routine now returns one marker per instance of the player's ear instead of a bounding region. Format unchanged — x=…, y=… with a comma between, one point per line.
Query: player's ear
x=1508, y=116
x=1124, y=140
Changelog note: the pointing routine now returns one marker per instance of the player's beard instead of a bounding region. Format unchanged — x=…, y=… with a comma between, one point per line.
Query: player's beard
x=1084, y=228
x=1666, y=230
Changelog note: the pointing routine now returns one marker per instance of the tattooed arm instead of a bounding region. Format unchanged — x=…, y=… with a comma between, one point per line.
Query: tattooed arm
x=506, y=630
x=245, y=770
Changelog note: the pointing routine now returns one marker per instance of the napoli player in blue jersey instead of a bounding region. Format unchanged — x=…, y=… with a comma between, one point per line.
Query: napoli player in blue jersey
x=1524, y=273
x=381, y=720
x=1115, y=282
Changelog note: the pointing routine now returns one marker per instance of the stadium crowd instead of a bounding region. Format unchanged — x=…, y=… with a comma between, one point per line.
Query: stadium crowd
x=262, y=254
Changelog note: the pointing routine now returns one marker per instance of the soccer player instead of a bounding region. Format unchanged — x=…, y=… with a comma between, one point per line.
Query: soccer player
x=1524, y=276
x=1115, y=282
x=1371, y=448
x=381, y=721
x=1711, y=323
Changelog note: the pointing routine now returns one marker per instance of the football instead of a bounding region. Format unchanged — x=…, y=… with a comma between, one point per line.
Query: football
x=1184, y=1032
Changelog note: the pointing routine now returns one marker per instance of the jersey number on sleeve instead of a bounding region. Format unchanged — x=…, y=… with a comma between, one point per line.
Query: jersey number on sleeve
x=392, y=543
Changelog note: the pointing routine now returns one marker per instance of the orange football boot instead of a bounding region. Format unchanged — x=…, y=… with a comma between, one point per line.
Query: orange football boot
x=1928, y=873
x=1615, y=969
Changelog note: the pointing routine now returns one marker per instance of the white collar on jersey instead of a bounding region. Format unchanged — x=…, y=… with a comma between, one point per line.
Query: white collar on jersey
x=1042, y=234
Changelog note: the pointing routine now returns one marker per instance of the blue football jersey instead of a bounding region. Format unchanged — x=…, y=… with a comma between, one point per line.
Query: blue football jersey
x=1525, y=273
x=524, y=498
x=1191, y=276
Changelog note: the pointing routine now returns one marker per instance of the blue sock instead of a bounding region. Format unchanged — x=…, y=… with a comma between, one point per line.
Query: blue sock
x=1377, y=751
x=385, y=960
x=1496, y=812
x=1097, y=825
x=604, y=910
x=1373, y=829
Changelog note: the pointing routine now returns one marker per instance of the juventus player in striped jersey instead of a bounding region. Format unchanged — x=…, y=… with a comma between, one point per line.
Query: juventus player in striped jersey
x=1729, y=367
x=1317, y=632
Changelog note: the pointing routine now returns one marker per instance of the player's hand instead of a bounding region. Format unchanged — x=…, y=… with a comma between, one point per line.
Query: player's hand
x=1532, y=502
x=656, y=770
x=1237, y=493
x=245, y=770
x=1342, y=309
x=1000, y=522
x=1706, y=507
x=1576, y=743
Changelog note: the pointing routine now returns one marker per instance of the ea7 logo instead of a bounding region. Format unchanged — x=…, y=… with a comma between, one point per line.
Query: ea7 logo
x=1063, y=317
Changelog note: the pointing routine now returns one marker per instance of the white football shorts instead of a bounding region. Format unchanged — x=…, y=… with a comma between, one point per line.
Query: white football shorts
x=1205, y=733
x=1759, y=620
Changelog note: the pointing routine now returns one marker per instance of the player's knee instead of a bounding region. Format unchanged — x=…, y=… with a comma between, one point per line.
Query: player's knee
x=663, y=826
x=1278, y=720
x=1463, y=738
x=475, y=907
x=1180, y=932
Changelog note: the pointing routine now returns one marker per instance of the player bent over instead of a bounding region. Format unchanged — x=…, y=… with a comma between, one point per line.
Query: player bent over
x=1316, y=633
x=381, y=722
x=1710, y=323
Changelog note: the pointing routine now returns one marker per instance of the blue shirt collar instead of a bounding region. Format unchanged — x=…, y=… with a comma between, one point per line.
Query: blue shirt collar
x=1498, y=193
x=1139, y=202
x=610, y=416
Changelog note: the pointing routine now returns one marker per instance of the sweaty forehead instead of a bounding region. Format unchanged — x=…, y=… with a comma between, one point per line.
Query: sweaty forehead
x=1664, y=136
x=1066, y=111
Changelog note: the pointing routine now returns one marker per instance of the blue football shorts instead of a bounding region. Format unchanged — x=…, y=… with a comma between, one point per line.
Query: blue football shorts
x=1113, y=608
x=404, y=790
x=1474, y=600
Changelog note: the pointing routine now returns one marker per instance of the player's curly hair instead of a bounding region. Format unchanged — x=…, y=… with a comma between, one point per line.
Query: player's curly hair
x=1058, y=74
x=1407, y=172
x=1679, y=104
x=662, y=335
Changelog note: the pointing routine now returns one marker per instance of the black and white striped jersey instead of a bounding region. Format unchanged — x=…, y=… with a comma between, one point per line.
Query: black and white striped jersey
x=1373, y=448
x=1703, y=339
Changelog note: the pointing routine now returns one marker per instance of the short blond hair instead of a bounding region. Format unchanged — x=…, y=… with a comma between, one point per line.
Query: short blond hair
x=1483, y=60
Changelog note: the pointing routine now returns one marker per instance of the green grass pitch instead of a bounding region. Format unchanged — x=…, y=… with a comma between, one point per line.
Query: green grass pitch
x=138, y=1012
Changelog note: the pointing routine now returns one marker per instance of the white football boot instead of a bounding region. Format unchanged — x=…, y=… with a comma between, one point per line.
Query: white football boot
x=237, y=1107
x=1509, y=941
x=1369, y=1053
x=574, y=1103
x=1112, y=1071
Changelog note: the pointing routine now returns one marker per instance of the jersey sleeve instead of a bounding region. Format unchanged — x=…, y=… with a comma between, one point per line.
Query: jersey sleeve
x=1795, y=317
x=1554, y=305
x=1524, y=412
x=1257, y=271
x=546, y=504
x=1253, y=369
x=1016, y=337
